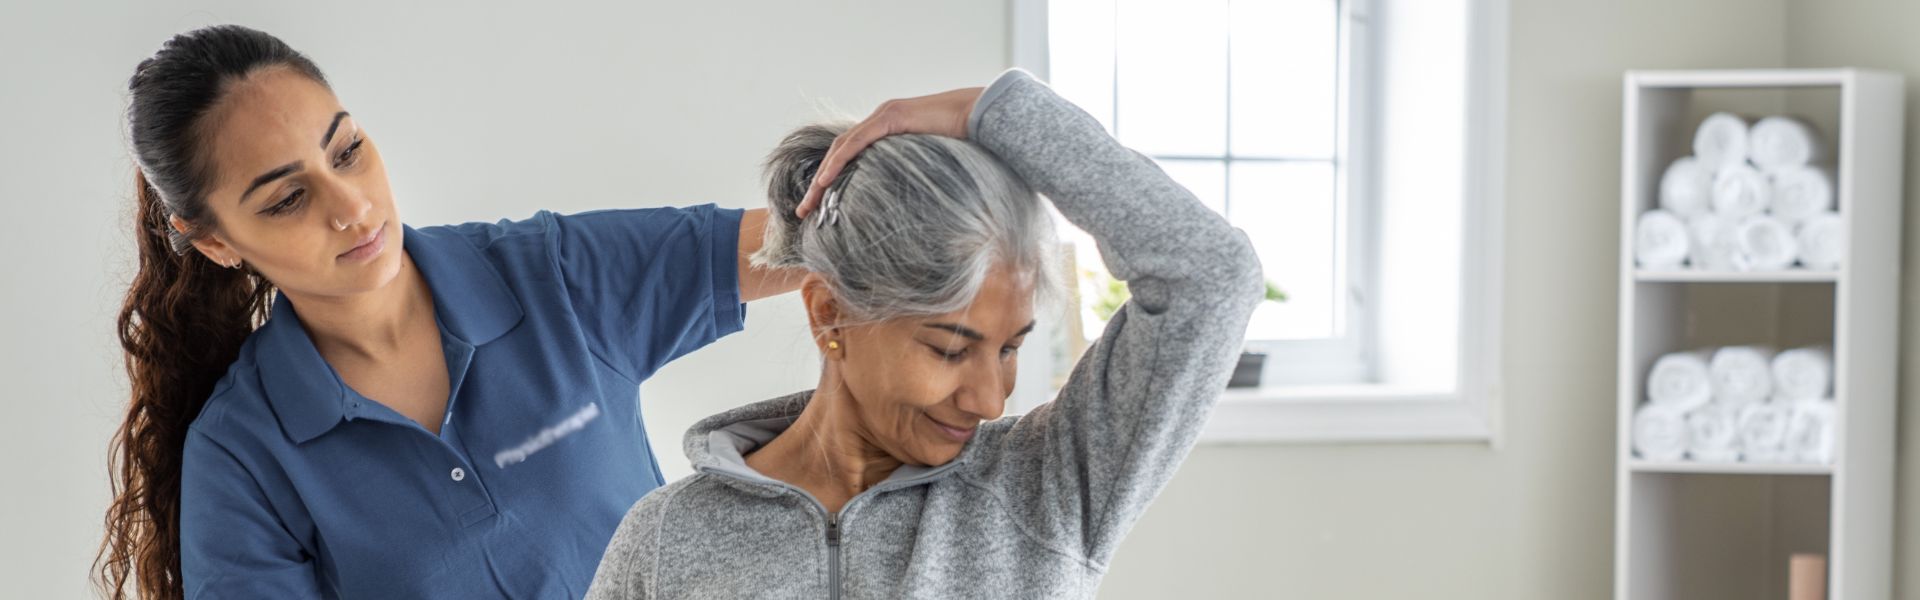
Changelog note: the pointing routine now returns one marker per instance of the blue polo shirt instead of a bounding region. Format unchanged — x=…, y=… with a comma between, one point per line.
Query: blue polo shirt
x=295, y=486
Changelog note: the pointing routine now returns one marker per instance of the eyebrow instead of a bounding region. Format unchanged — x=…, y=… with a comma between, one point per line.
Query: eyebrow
x=969, y=333
x=292, y=167
x=281, y=171
x=335, y=125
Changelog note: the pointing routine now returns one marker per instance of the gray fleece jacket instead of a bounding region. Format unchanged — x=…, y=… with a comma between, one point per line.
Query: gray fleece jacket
x=1035, y=505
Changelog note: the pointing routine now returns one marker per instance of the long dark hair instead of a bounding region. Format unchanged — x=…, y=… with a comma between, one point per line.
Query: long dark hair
x=184, y=317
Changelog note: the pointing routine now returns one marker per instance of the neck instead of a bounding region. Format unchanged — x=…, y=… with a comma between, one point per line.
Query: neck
x=371, y=325
x=827, y=451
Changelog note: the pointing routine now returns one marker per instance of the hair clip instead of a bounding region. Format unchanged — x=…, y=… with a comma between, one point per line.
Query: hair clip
x=178, y=241
x=833, y=207
x=829, y=211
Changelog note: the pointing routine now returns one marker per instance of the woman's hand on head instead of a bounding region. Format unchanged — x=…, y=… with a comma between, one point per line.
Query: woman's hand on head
x=944, y=113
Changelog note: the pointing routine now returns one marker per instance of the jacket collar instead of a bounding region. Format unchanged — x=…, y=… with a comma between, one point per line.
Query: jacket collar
x=718, y=445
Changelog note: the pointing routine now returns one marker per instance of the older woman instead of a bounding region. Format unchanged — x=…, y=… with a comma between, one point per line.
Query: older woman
x=897, y=476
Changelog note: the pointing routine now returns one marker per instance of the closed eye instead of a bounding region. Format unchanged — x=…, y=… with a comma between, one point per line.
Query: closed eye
x=946, y=355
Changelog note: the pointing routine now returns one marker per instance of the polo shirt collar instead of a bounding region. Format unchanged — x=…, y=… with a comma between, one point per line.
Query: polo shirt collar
x=309, y=397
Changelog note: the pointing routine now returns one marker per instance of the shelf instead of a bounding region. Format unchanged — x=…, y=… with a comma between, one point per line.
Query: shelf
x=1724, y=536
x=1646, y=466
x=1693, y=276
x=1685, y=529
x=1742, y=78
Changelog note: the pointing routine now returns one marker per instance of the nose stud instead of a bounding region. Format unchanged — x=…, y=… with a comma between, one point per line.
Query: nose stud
x=338, y=226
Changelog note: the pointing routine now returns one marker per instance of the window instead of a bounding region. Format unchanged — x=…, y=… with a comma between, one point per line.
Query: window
x=1245, y=102
x=1359, y=143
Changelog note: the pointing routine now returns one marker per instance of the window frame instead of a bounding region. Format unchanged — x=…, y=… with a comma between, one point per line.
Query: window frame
x=1470, y=411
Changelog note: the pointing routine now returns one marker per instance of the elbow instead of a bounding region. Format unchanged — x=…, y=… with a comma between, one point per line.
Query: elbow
x=1241, y=268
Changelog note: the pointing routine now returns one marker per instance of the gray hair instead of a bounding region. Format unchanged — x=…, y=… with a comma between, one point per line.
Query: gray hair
x=922, y=220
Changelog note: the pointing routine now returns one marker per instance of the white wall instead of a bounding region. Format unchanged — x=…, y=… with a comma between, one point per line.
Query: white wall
x=485, y=110
x=621, y=105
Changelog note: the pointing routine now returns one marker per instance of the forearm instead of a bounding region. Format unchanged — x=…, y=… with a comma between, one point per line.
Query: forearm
x=761, y=282
x=1149, y=227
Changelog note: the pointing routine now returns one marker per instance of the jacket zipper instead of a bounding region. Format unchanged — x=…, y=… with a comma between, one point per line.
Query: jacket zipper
x=833, y=555
x=833, y=518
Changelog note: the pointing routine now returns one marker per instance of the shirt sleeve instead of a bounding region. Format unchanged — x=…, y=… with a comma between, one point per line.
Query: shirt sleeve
x=232, y=545
x=651, y=284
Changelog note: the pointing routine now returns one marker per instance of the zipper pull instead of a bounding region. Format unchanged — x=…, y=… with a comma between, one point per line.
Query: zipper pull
x=833, y=530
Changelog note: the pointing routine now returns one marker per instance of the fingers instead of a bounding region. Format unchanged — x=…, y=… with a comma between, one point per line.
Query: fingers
x=844, y=148
x=938, y=114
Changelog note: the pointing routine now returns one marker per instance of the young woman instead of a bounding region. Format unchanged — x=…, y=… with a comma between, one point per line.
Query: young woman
x=896, y=476
x=445, y=411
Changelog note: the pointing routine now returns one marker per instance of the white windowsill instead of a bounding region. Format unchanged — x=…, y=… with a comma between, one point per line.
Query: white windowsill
x=1349, y=413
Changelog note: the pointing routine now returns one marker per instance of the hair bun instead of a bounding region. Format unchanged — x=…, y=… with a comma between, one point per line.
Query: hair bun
x=790, y=168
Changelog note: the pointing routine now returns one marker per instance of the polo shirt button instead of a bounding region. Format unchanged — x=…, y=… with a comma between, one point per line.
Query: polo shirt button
x=459, y=473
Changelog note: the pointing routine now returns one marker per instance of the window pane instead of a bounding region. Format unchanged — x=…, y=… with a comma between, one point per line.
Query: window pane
x=1080, y=54
x=1287, y=208
x=1207, y=179
x=1173, y=76
x=1285, y=70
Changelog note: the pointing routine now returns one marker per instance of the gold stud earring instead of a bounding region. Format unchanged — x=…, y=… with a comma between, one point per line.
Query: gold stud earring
x=833, y=345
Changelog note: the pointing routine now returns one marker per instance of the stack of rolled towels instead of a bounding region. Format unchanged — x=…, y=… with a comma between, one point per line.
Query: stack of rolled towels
x=1750, y=198
x=1738, y=404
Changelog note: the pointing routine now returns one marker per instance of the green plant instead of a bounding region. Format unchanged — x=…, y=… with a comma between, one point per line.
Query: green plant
x=1109, y=295
x=1274, y=294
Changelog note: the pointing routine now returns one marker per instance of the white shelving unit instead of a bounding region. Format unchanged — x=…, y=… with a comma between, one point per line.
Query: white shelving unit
x=1693, y=531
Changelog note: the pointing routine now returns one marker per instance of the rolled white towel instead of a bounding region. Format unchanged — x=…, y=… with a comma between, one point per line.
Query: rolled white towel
x=1681, y=380
x=1763, y=432
x=1810, y=431
x=1712, y=244
x=1742, y=374
x=1686, y=188
x=1767, y=244
x=1804, y=373
x=1799, y=192
x=1713, y=433
x=1721, y=140
x=1660, y=240
x=1741, y=191
x=1659, y=432
x=1823, y=241
x=1779, y=141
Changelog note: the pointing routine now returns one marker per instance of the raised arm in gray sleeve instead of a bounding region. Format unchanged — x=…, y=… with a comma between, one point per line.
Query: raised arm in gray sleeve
x=1082, y=468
